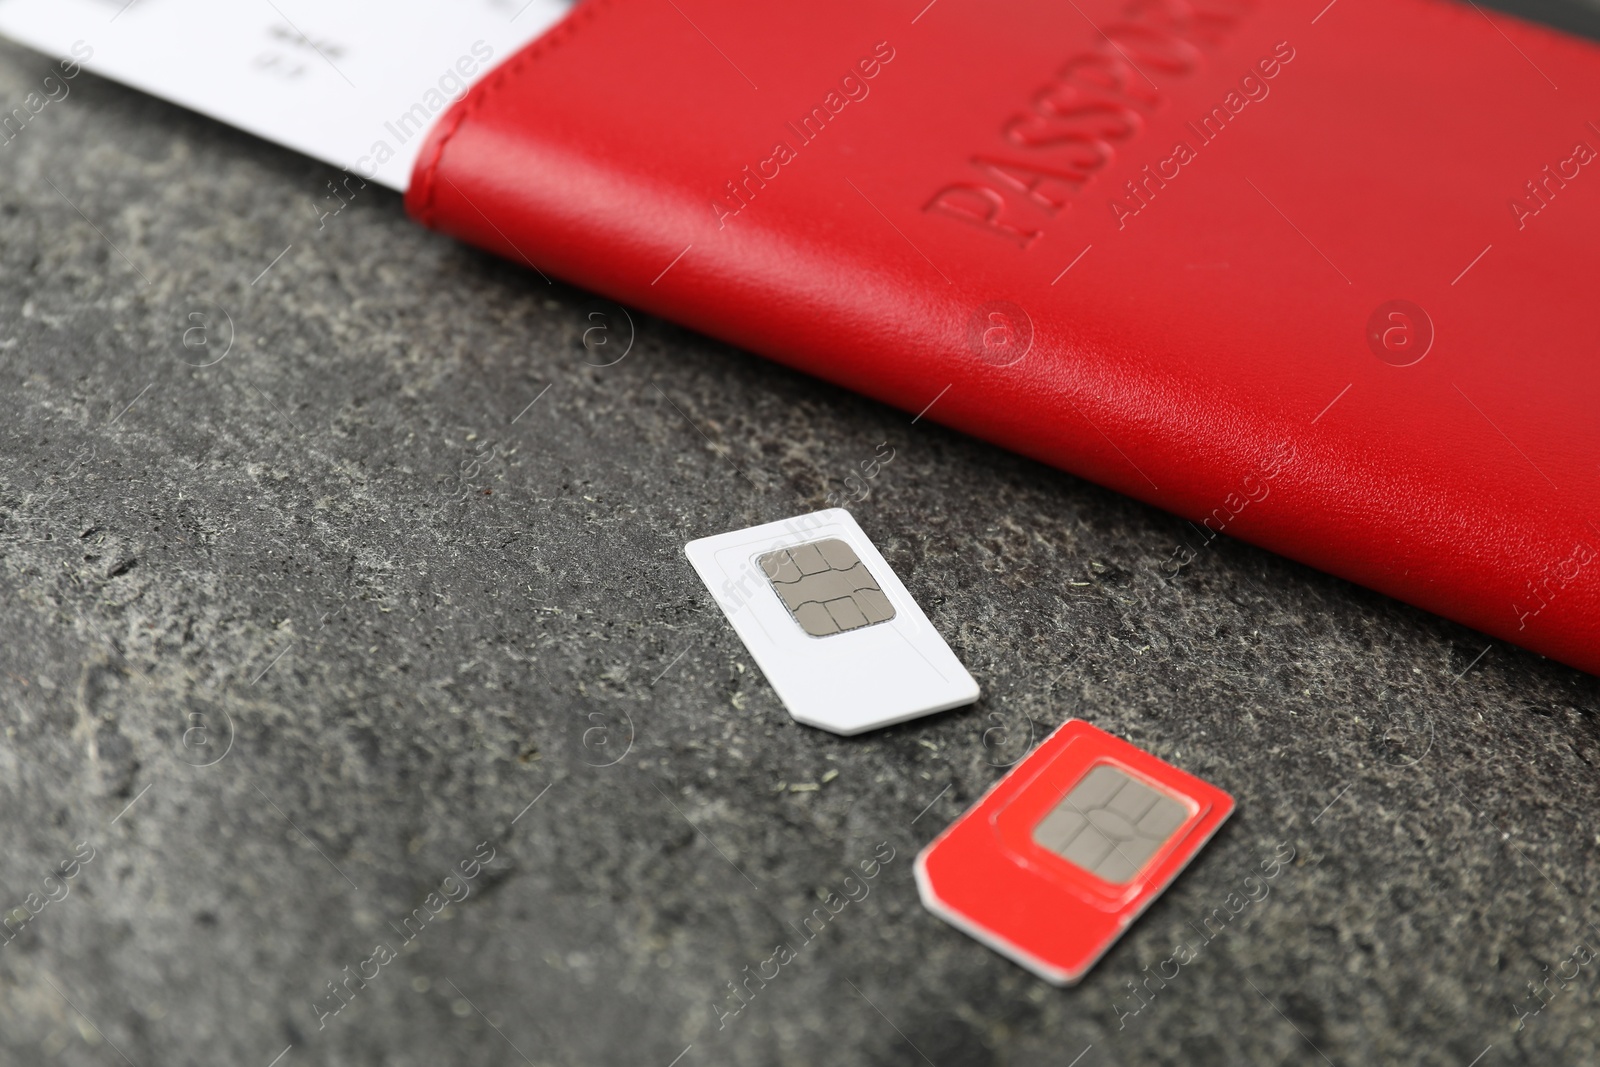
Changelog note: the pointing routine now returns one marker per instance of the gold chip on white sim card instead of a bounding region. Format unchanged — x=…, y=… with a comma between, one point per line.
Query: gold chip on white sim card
x=830, y=625
x=826, y=587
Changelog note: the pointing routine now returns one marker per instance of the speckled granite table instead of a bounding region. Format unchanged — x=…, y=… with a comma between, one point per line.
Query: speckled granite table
x=373, y=588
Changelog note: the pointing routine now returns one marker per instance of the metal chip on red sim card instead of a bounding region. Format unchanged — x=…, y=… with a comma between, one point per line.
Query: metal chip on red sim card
x=1066, y=850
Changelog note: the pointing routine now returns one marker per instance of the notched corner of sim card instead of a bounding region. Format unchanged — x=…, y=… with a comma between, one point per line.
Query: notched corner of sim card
x=1049, y=972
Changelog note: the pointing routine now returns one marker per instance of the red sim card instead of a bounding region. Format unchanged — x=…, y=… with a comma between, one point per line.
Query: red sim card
x=1064, y=852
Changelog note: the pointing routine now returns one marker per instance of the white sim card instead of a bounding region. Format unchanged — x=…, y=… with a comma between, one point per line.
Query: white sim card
x=830, y=625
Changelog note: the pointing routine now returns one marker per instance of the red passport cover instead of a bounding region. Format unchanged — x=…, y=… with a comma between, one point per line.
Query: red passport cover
x=1317, y=276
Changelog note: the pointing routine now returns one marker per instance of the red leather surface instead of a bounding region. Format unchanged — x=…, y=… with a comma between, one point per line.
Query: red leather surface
x=1190, y=356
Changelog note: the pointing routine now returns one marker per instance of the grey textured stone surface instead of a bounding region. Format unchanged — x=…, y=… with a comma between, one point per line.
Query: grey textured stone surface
x=391, y=605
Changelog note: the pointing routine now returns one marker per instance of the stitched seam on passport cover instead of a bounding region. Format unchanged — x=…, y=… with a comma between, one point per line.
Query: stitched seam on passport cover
x=480, y=95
